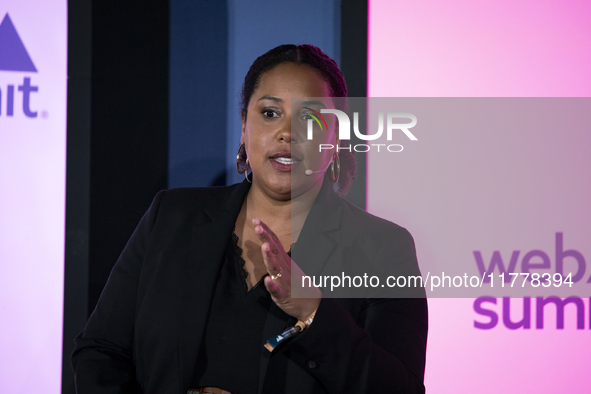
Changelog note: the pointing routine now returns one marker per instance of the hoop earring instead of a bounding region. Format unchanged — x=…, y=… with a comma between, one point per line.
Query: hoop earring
x=335, y=158
x=240, y=160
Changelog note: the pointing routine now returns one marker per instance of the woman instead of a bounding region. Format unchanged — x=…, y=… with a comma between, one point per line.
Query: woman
x=205, y=280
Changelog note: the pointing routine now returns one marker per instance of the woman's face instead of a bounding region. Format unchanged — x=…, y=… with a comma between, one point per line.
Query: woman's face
x=279, y=158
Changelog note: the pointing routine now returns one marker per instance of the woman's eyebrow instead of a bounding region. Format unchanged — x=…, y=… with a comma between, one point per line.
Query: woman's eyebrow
x=267, y=97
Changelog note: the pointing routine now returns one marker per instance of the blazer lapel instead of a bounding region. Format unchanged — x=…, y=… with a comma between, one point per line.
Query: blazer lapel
x=320, y=234
x=212, y=228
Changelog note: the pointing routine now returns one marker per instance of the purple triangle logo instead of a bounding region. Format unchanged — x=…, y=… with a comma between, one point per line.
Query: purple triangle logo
x=13, y=55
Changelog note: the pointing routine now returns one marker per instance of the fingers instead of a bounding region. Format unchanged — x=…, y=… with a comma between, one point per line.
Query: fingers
x=274, y=288
x=276, y=264
x=279, y=266
x=273, y=266
x=267, y=235
x=270, y=250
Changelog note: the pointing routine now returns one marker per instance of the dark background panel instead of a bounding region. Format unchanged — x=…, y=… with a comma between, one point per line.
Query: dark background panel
x=354, y=67
x=77, y=182
x=117, y=151
x=198, y=87
x=129, y=125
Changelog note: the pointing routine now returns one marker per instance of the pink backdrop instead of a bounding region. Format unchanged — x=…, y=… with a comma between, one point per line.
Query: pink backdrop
x=463, y=48
x=32, y=194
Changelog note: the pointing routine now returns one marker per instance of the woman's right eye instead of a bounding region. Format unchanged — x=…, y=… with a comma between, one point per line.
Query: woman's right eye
x=269, y=113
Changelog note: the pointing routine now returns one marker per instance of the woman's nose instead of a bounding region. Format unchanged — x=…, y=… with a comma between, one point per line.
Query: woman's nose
x=284, y=133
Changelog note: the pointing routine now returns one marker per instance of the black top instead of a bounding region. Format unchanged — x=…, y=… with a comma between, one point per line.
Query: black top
x=230, y=353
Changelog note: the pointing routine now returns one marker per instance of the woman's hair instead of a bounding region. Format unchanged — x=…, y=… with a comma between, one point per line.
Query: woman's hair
x=315, y=58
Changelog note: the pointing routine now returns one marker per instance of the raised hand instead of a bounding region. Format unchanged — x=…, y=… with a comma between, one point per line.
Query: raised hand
x=281, y=268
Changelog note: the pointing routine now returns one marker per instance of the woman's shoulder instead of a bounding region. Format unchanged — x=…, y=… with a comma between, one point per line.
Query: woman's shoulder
x=184, y=193
x=189, y=199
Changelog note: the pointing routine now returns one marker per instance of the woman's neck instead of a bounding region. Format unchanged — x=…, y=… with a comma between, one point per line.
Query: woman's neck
x=283, y=216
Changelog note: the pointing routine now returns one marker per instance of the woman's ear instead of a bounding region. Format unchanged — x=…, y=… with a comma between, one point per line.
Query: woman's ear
x=243, y=121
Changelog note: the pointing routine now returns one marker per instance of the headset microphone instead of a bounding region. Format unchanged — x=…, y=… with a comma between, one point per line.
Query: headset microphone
x=310, y=172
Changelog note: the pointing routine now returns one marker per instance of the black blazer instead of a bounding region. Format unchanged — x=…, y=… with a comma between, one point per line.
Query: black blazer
x=146, y=330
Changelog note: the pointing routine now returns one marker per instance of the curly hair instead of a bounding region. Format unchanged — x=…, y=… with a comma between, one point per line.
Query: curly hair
x=314, y=57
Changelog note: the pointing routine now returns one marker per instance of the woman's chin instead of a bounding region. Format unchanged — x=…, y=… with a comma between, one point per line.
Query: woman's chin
x=278, y=188
x=288, y=185
x=300, y=185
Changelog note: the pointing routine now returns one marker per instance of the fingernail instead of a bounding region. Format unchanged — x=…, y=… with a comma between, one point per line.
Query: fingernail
x=256, y=221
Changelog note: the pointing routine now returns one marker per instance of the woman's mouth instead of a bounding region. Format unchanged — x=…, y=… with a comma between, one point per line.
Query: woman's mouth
x=284, y=162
